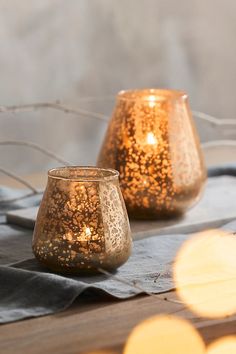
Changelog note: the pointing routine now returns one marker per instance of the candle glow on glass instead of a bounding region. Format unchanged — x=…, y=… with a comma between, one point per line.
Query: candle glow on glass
x=85, y=235
x=151, y=132
x=88, y=232
x=151, y=101
x=82, y=222
x=151, y=139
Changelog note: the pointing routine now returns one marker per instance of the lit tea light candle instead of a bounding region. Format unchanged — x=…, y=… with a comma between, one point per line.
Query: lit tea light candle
x=151, y=139
x=152, y=101
x=152, y=134
x=87, y=233
x=85, y=236
x=82, y=222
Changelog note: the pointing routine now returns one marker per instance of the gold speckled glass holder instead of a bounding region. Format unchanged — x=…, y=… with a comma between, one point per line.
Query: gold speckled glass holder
x=152, y=141
x=82, y=223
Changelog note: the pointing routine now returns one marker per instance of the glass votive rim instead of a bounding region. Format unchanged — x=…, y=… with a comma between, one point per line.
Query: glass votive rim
x=90, y=173
x=151, y=94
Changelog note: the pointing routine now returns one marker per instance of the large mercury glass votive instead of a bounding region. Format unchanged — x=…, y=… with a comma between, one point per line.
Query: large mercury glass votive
x=152, y=141
x=82, y=222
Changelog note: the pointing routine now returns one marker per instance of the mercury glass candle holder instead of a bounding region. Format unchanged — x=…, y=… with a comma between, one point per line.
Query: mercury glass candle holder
x=82, y=223
x=152, y=141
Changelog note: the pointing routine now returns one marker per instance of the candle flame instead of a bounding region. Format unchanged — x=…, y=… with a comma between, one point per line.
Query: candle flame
x=87, y=232
x=151, y=139
x=152, y=102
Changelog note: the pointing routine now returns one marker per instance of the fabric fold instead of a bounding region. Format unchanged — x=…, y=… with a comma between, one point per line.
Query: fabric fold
x=29, y=290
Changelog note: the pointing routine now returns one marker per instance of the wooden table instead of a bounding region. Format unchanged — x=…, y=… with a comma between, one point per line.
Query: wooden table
x=91, y=324
x=104, y=324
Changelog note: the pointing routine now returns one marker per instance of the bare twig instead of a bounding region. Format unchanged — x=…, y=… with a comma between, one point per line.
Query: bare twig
x=82, y=112
x=214, y=120
x=216, y=143
x=16, y=199
x=96, y=98
x=36, y=147
x=18, y=179
x=51, y=105
x=21, y=180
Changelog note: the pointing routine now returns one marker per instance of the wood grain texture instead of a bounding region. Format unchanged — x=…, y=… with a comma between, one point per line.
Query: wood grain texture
x=90, y=325
x=95, y=323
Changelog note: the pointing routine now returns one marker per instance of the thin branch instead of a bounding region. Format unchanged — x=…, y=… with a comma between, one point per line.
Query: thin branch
x=10, y=174
x=95, y=98
x=38, y=148
x=13, y=200
x=18, y=179
x=214, y=120
x=216, y=143
x=82, y=112
x=52, y=105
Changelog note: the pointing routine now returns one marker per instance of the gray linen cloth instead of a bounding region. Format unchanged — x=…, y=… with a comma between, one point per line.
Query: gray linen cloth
x=29, y=290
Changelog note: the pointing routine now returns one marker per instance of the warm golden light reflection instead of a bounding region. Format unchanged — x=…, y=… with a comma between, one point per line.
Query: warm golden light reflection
x=164, y=335
x=82, y=222
x=152, y=133
x=151, y=101
x=225, y=345
x=151, y=139
x=205, y=273
x=87, y=232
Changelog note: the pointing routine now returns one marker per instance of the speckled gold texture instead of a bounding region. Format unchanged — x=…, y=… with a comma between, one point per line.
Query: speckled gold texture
x=152, y=141
x=82, y=222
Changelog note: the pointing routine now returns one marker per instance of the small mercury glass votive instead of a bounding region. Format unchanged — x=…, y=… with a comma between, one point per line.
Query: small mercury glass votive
x=152, y=141
x=82, y=223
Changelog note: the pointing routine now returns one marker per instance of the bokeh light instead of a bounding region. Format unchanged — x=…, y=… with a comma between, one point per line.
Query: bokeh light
x=205, y=273
x=164, y=335
x=225, y=345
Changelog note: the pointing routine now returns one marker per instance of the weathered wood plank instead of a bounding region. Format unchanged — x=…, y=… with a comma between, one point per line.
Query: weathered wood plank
x=88, y=326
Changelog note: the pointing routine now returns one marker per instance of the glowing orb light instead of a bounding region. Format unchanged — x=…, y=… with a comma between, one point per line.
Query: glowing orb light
x=205, y=273
x=164, y=335
x=225, y=345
